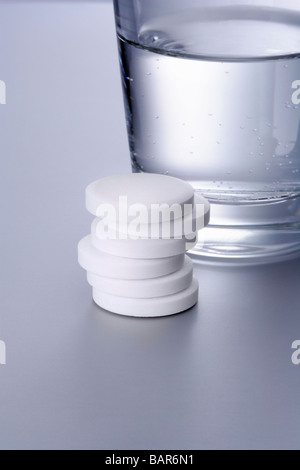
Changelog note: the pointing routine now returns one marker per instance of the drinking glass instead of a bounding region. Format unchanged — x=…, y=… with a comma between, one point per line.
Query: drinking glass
x=212, y=96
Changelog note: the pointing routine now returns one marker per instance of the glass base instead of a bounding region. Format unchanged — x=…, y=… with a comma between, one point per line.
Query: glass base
x=251, y=233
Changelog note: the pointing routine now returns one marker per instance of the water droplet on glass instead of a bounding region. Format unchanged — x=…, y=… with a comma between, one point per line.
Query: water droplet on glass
x=242, y=127
x=155, y=38
x=261, y=154
x=251, y=172
x=210, y=114
x=156, y=117
x=255, y=130
x=148, y=73
x=217, y=142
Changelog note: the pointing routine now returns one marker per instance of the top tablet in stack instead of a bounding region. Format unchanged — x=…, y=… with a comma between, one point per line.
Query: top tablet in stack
x=135, y=255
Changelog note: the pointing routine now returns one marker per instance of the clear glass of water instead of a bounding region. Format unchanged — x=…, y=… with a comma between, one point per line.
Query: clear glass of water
x=212, y=96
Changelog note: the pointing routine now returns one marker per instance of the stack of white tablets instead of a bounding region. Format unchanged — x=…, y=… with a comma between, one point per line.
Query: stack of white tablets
x=135, y=255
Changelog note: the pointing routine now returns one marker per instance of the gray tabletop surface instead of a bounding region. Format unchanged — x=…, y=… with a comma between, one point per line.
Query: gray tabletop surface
x=219, y=376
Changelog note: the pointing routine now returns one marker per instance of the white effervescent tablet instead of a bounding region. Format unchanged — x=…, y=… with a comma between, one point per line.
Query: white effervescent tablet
x=103, y=264
x=135, y=256
x=142, y=248
x=146, y=288
x=148, y=307
x=139, y=188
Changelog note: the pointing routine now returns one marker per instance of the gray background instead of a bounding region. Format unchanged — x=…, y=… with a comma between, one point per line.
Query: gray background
x=219, y=376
